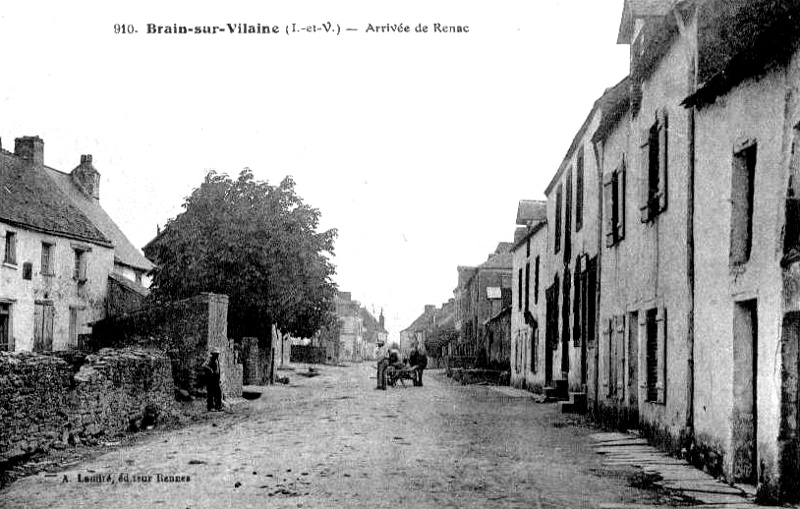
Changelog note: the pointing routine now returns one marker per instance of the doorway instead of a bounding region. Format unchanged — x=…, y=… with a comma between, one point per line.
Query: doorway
x=745, y=412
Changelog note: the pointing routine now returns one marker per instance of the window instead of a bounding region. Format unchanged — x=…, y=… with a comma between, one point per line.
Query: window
x=568, y=218
x=557, y=234
x=6, y=337
x=742, y=193
x=527, y=286
x=536, y=283
x=10, y=252
x=655, y=327
x=27, y=271
x=79, y=271
x=653, y=187
x=528, y=248
x=47, y=259
x=519, y=290
x=535, y=351
x=579, y=190
x=614, y=199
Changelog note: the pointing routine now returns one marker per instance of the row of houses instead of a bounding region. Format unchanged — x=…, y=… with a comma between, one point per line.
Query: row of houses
x=659, y=279
x=65, y=263
x=356, y=336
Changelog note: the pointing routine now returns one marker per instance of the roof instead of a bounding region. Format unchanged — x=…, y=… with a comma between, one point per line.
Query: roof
x=576, y=140
x=502, y=260
x=531, y=231
x=131, y=285
x=531, y=210
x=124, y=252
x=614, y=104
x=738, y=39
x=30, y=199
x=421, y=322
x=634, y=9
x=369, y=321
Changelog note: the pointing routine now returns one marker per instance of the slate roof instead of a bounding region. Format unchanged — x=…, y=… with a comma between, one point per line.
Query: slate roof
x=30, y=199
x=370, y=322
x=124, y=252
x=531, y=210
x=502, y=260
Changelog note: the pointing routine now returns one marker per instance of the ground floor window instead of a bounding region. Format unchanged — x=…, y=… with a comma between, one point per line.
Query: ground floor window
x=655, y=328
x=6, y=338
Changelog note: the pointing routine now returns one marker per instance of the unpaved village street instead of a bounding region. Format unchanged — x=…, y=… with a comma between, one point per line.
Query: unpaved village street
x=335, y=441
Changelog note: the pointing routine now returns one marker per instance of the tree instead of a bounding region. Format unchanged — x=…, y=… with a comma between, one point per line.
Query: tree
x=256, y=243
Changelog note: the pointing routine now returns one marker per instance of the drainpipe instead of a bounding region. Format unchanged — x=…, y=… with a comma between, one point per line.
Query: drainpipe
x=597, y=150
x=691, y=41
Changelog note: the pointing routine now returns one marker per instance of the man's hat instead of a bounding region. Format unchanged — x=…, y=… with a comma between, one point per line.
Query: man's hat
x=215, y=351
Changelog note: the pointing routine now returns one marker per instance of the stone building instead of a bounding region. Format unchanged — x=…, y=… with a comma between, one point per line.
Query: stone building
x=479, y=297
x=527, y=307
x=571, y=264
x=698, y=308
x=375, y=334
x=351, y=331
x=60, y=251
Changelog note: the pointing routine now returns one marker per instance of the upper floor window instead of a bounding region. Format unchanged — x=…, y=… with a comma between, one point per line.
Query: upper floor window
x=47, y=259
x=614, y=200
x=743, y=176
x=10, y=252
x=557, y=234
x=654, y=158
x=79, y=271
x=579, y=191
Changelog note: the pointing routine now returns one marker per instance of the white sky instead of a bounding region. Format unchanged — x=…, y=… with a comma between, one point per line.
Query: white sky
x=416, y=147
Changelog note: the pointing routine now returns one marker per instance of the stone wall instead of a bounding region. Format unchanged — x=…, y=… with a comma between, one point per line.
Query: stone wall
x=186, y=330
x=51, y=401
x=308, y=354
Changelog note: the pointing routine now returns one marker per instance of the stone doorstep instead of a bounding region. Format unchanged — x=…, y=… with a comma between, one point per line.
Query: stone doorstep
x=623, y=443
x=611, y=437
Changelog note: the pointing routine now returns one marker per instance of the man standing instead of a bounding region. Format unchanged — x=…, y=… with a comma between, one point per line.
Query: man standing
x=212, y=375
x=419, y=361
x=383, y=361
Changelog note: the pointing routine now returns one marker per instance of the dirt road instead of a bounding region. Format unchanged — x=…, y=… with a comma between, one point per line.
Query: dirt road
x=335, y=441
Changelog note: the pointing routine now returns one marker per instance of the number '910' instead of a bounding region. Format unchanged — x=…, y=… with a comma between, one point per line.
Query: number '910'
x=123, y=29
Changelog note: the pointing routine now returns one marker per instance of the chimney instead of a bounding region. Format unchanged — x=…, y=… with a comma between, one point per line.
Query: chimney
x=30, y=148
x=429, y=308
x=87, y=178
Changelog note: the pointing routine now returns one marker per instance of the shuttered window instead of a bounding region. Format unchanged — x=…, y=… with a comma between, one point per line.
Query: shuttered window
x=614, y=202
x=527, y=286
x=653, y=159
x=557, y=233
x=656, y=343
x=579, y=190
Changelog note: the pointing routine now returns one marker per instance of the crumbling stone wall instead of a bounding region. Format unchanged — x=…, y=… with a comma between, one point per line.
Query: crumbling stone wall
x=186, y=330
x=49, y=401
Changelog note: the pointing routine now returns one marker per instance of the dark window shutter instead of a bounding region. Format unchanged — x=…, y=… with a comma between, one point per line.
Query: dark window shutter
x=663, y=158
x=621, y=201
x=608, y=201
x=661, y=385
x=644, y=175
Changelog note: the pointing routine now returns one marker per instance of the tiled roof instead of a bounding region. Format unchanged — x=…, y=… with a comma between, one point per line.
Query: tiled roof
x=124, y=252
x=370, y=322
x=502, y=260
x=30, y=199
x=531, y=210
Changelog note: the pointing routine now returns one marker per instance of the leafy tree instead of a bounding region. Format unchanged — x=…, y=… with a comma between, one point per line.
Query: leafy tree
x=256, y=243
